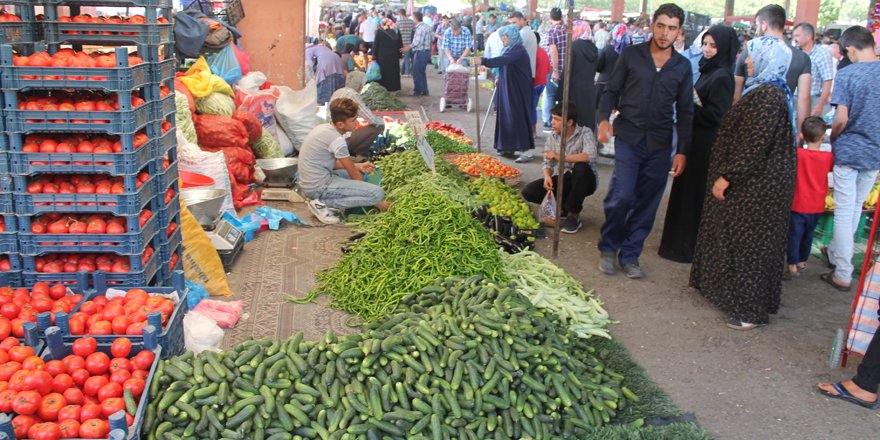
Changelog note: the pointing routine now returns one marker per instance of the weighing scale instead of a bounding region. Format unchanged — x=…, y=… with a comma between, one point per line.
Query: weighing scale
x=279, y=182
x=205, y=204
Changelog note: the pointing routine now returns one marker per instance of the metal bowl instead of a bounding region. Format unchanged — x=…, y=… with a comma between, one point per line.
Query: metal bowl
x=281, y=170
x=204, y=204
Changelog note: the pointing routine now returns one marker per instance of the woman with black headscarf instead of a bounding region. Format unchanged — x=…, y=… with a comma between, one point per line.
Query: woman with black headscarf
x=714, y=95
x=386, y=51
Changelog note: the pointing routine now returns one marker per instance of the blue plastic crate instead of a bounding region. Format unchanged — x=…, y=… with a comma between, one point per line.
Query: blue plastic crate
x=173, y=240
x=16, y=141
x=166, y=142
x=57, y=348
x=121, y=121
x=128, y=279
x=120, y=33
x=121, y=78
x=135, y=261
x=7, y=200
x=111, y=3
x=11, y=277
x=165, y=177
x=166, y=272
x=170, y=338
x=80, y=163
x=130, y=203
x=163, y=71
x=9, y=239
x=163, y=107
x=131, y=243
x=18, y=32
x=4, y=161
x=170, y=211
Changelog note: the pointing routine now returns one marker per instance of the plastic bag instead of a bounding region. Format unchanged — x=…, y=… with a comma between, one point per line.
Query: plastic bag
x=201, y=82
x=244, y=59
x=295, y=112
x=457, y=68
x=548, y=208
x=197, y=293
x=201, y=333
x=201, y=263
x=260, y=103
x=224, y=313
x=284, y=142
x=251, y=82
x=374, y=72
x=225, y=65
x=191, y=158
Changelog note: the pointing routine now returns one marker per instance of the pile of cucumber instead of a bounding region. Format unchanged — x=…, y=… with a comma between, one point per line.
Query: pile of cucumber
x=463, y=359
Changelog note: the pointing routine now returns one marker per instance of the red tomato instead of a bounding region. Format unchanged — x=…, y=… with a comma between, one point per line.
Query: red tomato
x=101, y=328
x=89, y=411
x=4, y=356
x=55, y=367
x=40, y=288
x=84, y=346
x=140, y=374
x=112, y=311
x=6, y=399
x=9, y=343
x=111, y=389
x=77, y=327
x=6, y=325
x=97, y=363
x=94, y=384
x=137, y=328
x=7, y=369
x=17, y=327
x=9, y=310
x=20, y=353
x=69, y=428
x=121, y=347
x=73, y=363
x=94, y=428
x=120, y=376
x=135, y=385
x=26, y=402
x=21, y=424
x=119, y=324
x=120, y=363
x=44, y=431
x=39, y=380
x=62, y=382
x=112, y=405
x=57, y=291
x=89, y=307
x=143, y=360
x=50, y=405
x=74, y=396
x=69, y=412
x=42, y=304
x=33, y=363
x=80, y=376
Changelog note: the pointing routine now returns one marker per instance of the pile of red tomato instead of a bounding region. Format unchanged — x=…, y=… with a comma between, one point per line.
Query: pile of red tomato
x=477, y=164
x=79, y=262
x=86, y=18
x=75, y=102
x=18, y=306
x=72, y=397
x=122, y=315
x=6, y=17
x=78, y=143
x=58, y=223
x=82, y=184
x=70, y=58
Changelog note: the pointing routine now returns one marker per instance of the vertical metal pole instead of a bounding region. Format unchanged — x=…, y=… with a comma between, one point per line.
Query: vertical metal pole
x=476, y=78
x=566, y=84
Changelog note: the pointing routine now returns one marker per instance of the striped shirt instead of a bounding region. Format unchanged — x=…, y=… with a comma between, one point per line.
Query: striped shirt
x=405, y=26
x=823, y=69
x=556, y=37
x=457, y=43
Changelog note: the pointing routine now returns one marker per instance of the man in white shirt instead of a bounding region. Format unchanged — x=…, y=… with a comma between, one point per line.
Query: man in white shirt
x=822, y=67
x=367, y=31
x=601, y=36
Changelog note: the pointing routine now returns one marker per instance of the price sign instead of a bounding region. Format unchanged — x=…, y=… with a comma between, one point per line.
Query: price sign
x=427, y=153
x=415, y=121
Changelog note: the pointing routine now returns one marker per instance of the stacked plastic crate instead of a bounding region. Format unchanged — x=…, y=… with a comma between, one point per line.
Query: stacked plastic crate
x=91, y=144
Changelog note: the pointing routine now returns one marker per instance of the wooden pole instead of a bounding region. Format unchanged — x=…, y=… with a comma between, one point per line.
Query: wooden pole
x=566, y=84
x=476, y=78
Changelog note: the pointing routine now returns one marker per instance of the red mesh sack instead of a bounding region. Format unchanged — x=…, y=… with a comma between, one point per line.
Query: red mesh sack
x=251, y=124
x=220, y=132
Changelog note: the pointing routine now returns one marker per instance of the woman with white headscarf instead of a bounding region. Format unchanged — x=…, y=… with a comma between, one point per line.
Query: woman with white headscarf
x=582, y=91
x=513, y=128
x=741, y=244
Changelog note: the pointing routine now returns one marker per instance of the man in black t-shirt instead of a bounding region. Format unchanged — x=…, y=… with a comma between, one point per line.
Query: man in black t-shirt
x=770, y=21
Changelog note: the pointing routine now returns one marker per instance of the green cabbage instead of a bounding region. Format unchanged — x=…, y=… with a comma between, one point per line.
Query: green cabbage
x=266, y=147
x=184, y=118
x=217, y=104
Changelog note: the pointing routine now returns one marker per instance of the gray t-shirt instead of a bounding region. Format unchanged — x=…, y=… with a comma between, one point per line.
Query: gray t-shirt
x=317, y=158
x=858, y=145
x=531, y=45
x=800, y=64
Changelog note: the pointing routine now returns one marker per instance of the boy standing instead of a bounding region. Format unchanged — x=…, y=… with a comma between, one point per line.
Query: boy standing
x=856, y=147
x=809, y=193
x=328, y=176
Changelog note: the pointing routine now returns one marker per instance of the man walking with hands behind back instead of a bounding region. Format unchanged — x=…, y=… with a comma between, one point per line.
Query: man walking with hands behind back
x=650, y=72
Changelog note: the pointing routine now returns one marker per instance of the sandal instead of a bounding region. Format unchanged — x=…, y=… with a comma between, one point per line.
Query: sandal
x=824, y=251
x=843, y=394
x=829, y=278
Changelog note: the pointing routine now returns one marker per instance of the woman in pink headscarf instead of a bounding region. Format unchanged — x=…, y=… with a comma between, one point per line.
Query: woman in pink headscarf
x=582, y=91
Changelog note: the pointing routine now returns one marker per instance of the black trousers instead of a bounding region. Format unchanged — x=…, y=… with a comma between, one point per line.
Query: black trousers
x=868, y=375
x=579, y=184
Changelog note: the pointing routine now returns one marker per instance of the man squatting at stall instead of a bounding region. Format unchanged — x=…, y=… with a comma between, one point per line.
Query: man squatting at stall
x=328, y=176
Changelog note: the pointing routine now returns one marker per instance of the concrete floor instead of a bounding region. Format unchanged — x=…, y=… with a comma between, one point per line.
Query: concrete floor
x=741, y=385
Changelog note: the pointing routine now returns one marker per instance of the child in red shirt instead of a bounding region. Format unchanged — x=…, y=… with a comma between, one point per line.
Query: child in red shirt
x=813, y=167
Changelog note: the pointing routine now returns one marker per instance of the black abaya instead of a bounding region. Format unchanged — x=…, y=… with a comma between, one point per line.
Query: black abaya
x=582, y=91
x=386, y=50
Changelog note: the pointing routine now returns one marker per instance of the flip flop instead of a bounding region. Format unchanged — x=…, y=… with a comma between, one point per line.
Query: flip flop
x=845, y=395
x=829, y=278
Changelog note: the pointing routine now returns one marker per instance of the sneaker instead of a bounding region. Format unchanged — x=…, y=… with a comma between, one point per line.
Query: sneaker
x=324, y=214
x=607, y=263
x=633, y=271
x=737, y=324
x=571, y=224
x=523, y=158
x=507, y=155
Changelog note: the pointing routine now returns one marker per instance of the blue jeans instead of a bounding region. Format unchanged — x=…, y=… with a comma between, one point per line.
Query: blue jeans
x=421, y=58
x=535, y=97
x=851, y=188
x=343, y=192
x=637, y=185
x=800, y=236
x=549, y=99
x=407, y=67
